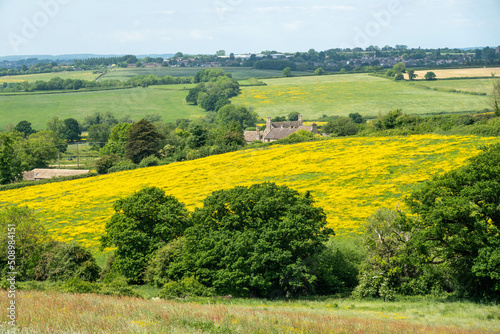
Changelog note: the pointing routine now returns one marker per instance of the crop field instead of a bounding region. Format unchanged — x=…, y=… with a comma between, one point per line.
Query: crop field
x=237, y=72
x=137, y=102
x=52, y=312
x=349, y=178
x=82, y=75
x=467, y=85
x=344, y=94
x=463, y=72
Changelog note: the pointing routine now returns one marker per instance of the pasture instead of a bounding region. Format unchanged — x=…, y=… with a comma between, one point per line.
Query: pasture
x=467, y=85
x=461, y=72
x=53, y=312
x=341, y=95
x=82, y=75
x=349, y=178
x=167, y=101
x=124, y=74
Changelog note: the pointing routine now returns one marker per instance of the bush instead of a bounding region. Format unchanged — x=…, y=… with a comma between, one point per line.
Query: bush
x=60, y=261
x=122, y=166
x=341, y=126
x=298, y=137
x=187, y=287
x=104, y=163
x=163, y=266
x=149, y=161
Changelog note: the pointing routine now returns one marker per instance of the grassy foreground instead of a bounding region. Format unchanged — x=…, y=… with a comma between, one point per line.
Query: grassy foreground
x=52, y=312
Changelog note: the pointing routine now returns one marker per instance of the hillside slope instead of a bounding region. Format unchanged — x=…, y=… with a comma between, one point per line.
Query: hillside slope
x=350, y=178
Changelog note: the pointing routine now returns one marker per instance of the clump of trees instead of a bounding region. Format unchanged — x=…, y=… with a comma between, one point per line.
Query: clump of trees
x=447, y=241
x=263, y=241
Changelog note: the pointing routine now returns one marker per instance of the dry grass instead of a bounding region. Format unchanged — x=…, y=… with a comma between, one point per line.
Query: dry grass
x=51, y=312
x=460, y=73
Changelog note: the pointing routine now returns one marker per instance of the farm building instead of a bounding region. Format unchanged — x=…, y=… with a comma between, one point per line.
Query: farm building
x=38, y=174
x=278, y=130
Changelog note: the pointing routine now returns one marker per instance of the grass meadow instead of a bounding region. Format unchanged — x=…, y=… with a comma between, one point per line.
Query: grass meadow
x=344, y=94
x=349, y=178
x=136, y=102
x=82, y=75
x=466, y=85
x=237, y=72
x=53, y=312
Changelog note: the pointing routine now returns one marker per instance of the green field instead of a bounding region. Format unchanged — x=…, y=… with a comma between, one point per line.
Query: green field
x=237, y=72
x=468, y=85
x=82, y=75
x=137, y=102
x=343, y=94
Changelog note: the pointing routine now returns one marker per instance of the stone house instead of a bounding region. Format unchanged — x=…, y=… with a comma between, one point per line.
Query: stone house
x=278, y=130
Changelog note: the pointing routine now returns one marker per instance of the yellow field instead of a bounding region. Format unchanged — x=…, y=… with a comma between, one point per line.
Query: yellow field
x=460, y=73
x=82, y=75
x=350, y=178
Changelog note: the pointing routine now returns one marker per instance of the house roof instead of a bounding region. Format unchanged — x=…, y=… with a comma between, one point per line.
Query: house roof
x=278, y=133
x=40, y=173
x=250, y=136
x=290, y=124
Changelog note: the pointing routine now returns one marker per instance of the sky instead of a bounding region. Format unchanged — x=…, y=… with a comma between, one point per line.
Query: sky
x=55, y=27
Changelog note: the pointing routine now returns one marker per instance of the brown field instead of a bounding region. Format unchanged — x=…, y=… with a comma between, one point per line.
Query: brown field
x=460, y=73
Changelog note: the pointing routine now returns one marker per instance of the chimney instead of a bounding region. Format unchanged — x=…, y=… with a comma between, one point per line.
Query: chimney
x=258, y=132
x=300, y=119
x=268, y=124
x=314, y=128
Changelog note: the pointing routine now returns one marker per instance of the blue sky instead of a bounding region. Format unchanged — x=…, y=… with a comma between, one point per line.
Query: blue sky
x=241, y=26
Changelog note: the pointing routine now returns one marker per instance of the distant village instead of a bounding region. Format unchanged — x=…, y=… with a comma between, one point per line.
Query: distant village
x=333, y=59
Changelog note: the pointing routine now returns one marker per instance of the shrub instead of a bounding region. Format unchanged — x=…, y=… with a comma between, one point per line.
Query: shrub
x=187, y=287
x=103, y=164
x=341, y=126
x=122, y=166
x=298, y=137
x=60, y=261
x=149, y=161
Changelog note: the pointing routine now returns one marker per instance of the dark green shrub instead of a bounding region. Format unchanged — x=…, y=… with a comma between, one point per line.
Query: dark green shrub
x=149, y=161
x=187, y=287
x=60, y=262
x=103, y=164
x=166, y=265
x=122, y=166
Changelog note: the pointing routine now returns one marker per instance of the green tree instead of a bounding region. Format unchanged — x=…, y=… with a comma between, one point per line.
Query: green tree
x=411, y=74
x=459, y=222
x=143, y=140
x=143, y=223
x=430, y=76
x=293, y=116
x=357, y=118
x=257, y=241
x=319, y=71
x=399, y=77
x=287, y=72
x=341, y=126
x=39, y=149
x=57, y=125
x=72, y=130
x=10, y=165
x=229, y=113
x=198, y=137
x=98, y=135
x=117, y=140
x=399, y=68
x=25, y=128
x=495, y=97
x=30, y=236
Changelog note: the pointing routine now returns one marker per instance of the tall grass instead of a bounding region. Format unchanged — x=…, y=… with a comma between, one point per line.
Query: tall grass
x=51, y=312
